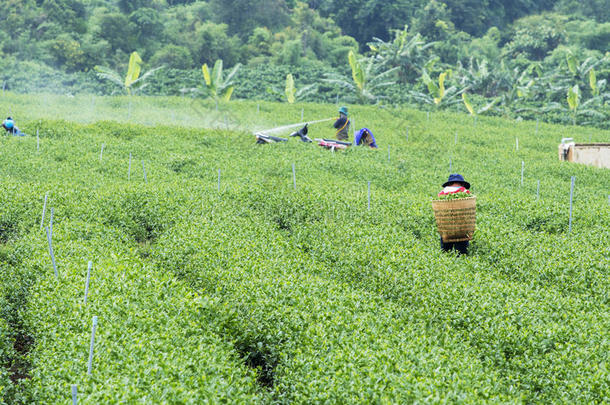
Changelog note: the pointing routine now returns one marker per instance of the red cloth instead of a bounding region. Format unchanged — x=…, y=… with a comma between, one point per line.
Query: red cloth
x=459, y=190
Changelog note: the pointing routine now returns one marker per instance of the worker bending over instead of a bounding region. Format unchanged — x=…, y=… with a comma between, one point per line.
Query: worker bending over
x=9, y=126
x=365, y=137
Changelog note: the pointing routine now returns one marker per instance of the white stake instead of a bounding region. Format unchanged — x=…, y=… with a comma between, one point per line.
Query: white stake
x=428, y=116
x=144, y=171
x=51, y=222
x=74, y=394
x=302, y=112
x=258, y=108
x=522, y=170
x=44, y=209
x=516, y=143
x=294, y=177
x=571, y=198
x=219, y=180
x=51, y=252
x=538, y=190
x=87, y=281
x=91, y=345
x=101, y=152
x=129, y=170
x=369, y=195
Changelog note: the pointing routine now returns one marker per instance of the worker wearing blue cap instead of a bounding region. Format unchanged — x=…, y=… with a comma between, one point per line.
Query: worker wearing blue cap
x=455, y=184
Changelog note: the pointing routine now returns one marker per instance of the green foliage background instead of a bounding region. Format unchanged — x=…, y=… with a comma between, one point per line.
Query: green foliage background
x=53, y=46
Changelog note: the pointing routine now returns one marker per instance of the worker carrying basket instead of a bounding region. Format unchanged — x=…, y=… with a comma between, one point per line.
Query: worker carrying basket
x=455, y=214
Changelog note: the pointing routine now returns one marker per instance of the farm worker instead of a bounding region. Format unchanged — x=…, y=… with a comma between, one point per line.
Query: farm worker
x=365, y=137
x=342, y=125
x=9, y=126
x=455, y=184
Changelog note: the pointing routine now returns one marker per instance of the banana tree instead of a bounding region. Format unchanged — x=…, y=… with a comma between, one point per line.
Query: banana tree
x=488, y=107
x=292, y=94
x=219, y=87
x=132, y=82
x=592, y=108
x=438, y=95
x=367, y=78
x=408, y=51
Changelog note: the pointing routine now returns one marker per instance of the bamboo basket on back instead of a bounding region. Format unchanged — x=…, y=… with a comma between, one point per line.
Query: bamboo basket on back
x=455, y=219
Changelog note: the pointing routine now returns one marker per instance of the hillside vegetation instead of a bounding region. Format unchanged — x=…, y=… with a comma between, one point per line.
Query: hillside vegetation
x=517, y=59
x=215, y=279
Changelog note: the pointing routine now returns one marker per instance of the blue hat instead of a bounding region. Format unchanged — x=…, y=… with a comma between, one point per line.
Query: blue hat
x=8, y=123
x=457, y=178
x=343, y=110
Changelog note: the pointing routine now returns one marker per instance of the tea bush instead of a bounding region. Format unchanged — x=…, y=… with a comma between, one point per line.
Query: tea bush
x=247, y=290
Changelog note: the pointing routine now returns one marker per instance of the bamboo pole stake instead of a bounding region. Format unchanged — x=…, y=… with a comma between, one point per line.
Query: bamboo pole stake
x=89, y=265
x=92, y=343
x=571, y=199
x=51, y=253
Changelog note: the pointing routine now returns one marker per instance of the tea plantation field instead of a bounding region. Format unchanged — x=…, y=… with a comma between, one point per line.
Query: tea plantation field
x=241, y=288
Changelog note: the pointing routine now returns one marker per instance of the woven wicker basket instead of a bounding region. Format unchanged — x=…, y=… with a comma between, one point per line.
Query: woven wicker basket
x=455, y=219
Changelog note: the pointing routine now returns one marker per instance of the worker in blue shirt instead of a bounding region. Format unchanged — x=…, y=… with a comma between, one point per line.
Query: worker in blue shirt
x=365, y=137
x=9, y=125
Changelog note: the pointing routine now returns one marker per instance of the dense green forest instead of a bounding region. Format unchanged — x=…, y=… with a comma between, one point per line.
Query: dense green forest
x=520, y=58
